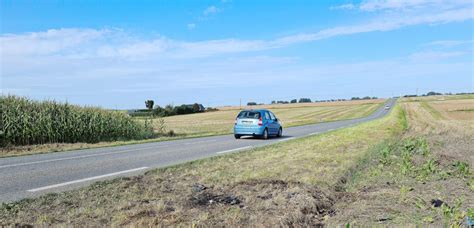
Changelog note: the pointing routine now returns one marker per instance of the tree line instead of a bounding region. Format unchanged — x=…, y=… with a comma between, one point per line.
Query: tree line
x=308, y=100
x=432, y=93
x=168, y=110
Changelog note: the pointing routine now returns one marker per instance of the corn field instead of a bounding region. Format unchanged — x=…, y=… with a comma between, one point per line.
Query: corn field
x=27, y=122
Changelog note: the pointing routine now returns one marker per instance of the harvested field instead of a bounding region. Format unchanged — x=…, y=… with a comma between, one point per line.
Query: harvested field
x=221, y=122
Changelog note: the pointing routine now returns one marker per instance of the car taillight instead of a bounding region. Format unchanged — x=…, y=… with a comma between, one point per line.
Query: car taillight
x=260, y=123
x=235, y=122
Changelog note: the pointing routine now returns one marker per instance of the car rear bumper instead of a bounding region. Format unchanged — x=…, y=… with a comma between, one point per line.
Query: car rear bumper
x=248, y=130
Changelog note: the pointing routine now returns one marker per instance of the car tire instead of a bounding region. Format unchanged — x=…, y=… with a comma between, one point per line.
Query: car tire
x=265, y=134
x=280, y=133
x=237, y=136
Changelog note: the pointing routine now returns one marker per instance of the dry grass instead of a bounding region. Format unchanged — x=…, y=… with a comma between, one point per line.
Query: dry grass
x=462, y=110
x=287, y=184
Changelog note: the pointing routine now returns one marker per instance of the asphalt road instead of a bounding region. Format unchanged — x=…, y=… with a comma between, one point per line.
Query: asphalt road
x=34, y=175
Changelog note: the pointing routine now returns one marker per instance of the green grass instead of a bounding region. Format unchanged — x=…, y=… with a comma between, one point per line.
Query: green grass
x=409, y=165
x=463, y=110
x=302, y=168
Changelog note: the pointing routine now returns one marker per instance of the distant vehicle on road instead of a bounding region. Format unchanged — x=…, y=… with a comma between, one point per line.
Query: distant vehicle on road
x=261, y=123
x=387, y=107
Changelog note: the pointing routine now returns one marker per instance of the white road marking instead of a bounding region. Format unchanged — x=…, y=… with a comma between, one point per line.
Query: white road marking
x=237, y=149
x=314, y=133
x=282, y=140
x=78, y=157
x=85, y=179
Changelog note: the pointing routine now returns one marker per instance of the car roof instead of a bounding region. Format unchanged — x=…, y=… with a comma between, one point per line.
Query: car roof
x=255, y=110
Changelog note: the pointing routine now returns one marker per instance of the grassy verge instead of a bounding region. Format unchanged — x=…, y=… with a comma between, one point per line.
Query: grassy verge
x=424, y=177
x=287, y=184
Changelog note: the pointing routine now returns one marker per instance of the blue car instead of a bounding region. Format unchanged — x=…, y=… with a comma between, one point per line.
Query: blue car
x=261, y=123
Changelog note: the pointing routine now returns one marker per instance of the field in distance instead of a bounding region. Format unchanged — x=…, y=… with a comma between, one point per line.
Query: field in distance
x=221, y=122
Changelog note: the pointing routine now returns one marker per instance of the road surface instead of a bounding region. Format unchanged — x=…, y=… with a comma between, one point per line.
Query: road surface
x=34, y=175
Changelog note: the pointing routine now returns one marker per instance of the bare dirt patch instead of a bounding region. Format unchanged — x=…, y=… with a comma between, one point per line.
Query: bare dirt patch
x=287, y=203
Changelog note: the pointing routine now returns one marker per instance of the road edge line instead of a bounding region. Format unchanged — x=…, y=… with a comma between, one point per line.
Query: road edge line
x=84, y=180
x=232, y=150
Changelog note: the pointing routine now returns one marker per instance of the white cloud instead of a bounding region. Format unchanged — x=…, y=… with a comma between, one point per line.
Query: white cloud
x=50, y=41
x=206, y=13
x=348, y=6
x=404, y=5
x=381, y=24
x=86, y=43
x=427, y=56
x=191, y=26
x=210, y=10
x=449, y=43
x=133, y=81
x=373, y=5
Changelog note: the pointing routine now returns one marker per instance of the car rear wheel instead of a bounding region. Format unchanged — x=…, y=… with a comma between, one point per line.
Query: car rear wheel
x=265, y=134
x=280, y=133
x=237, y=136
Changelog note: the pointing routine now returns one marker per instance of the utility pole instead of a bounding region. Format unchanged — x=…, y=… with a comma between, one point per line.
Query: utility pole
x=240, y=103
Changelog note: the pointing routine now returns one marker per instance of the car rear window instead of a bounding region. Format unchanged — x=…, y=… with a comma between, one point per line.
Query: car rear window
x=249, y=115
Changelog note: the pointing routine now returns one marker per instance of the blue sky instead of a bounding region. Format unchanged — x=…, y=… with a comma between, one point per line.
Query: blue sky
x=116, y=54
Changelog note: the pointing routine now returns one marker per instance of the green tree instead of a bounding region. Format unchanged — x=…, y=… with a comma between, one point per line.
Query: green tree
x=149, y=104
x=196, y=107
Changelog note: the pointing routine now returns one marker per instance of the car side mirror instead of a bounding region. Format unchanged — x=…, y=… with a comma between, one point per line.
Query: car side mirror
x=276, y=119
